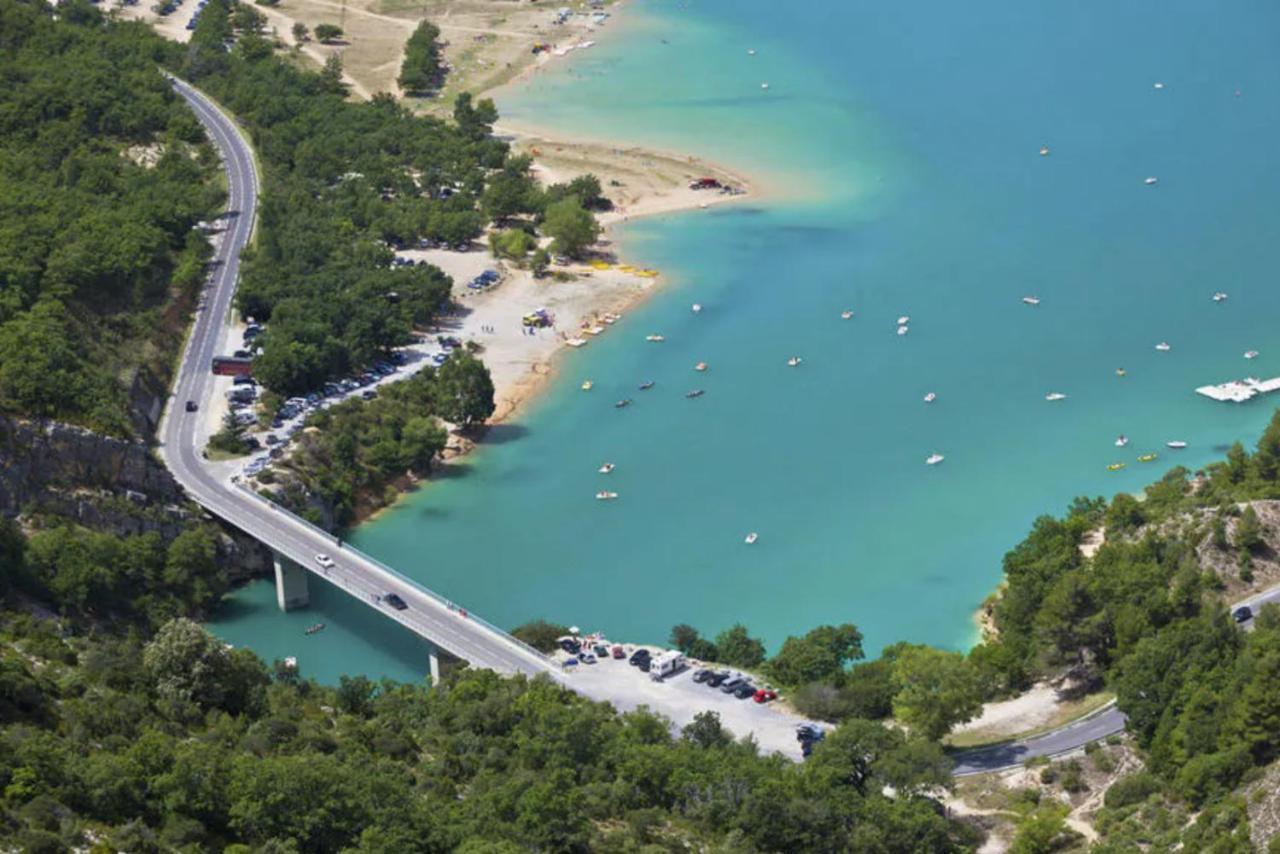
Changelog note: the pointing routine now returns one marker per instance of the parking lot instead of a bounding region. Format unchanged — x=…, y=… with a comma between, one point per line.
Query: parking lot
x=679, y=698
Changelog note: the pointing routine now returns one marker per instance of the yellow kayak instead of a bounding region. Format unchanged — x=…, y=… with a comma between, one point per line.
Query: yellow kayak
x=1146, y=458
x=1115, y=467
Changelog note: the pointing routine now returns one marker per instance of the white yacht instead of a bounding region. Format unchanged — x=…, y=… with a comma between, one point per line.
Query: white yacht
x=697, y=307
x=1055, y=395
x=1163, y=347
x=1177, y=444
x=904, y=320
x=1122, y=440
x=1150, y=181
x=930, y=397
x=934, y=459
x=1220, y=296
x=657, y=339
x=764, y=85
x=1251, y=354
x=794, y=361
x=1031, y=300
x=903, y=330
x=603, y=495
x=1044, y=151
x=606, y=468
x=846, y=314
x=1158, y=85
x=751, y=538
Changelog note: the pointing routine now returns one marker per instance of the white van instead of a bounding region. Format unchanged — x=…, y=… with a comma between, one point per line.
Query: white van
x=667, y=664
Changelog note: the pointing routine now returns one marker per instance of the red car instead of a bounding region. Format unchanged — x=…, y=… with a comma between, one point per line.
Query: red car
x=618, y=653
x=764, y=695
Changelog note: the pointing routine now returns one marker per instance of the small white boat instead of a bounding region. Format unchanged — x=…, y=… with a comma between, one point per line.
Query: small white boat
x=701, y=366
x=794, y=361
x=291, y=662
x=587, y=385
x=930, y=397
x=764, y=85
x=1177, y=444
x=657, y=339
x=1220, y=296
x=576, y=342
x=603, y=495
x=846, y=314
x=1251, y=354
x=1031, y=300
x=1158, y=85
x=1055, y=395
x=1044, y=151
x=751, y=51
x=697, y=307
x=904, y=320
x=1163, y=347
x=606, y=468
x=903, y=330
x=1121, y=441
x=1151, y=181
x=934, y=459
x=751, y=538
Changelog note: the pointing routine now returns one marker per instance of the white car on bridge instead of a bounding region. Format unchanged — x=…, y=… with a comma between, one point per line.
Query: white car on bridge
x=325, y=561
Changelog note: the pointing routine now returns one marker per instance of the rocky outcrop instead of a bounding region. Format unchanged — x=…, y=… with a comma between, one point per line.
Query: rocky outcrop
x=107, y=484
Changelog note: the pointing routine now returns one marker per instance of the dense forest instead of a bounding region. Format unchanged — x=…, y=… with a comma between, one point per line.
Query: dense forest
x=103, y=174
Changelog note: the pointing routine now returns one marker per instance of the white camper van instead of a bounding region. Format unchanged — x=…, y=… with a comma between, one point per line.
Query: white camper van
x=667, y=664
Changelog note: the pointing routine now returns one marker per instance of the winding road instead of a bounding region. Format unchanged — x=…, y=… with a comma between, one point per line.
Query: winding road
x=428, y=615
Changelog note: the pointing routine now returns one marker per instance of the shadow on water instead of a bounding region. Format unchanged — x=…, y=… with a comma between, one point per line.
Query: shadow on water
x=504, y=434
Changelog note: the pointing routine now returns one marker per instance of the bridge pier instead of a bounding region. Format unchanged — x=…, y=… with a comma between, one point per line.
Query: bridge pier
x=291, y=584
x=433, y=659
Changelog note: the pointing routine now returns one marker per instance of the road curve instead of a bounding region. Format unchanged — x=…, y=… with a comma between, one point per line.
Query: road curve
x=1106, y=721
x=430, y=616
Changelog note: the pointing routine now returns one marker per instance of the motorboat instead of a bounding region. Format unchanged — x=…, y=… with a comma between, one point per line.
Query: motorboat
x=646, y=385
x=1220, y=296
x=657, y=339
x=1251, y=354
x=1055, y=395
x=696, y=307
x=587, y=385
x=1115, y=467
x=846, y=314
x=576, y=342
x=1044, y=151
x=930, y=397
x=604, y=495
x=1120, y=372
x=1146, y=458
x=1176, y=444
x=751, y=538
x=1163, y=347
x=904, y=320
x=697, y=392
x=1151, y=181
x=291, y=662
x=903, y=330
x=701, y=366
x=1031, y=300
x=314, y=627
x=1158, y=85
x=794, y=361
x=934, y=459
x=606, y=468
x=623, y=404
x=764, y=85
x=751, y=51
x=1121, y=441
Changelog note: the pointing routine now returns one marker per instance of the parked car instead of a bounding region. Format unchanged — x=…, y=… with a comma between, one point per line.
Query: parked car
x=618, y=651
x=637, y=655
x=764, y=695
x=1242, y=614
x=325, y=561
x=701, y=675
x=745, y=690
x=732, y=685
x=395, y=602
x=243, y=380
x=570, y=645
x=587, y=658
x=192, y=406
x=715, y=680
x=369, y=394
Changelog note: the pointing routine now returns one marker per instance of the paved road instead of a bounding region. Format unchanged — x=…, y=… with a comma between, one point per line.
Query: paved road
x=428, y=615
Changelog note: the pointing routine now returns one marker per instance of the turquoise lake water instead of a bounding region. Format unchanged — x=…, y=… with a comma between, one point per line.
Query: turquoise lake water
x=903, y=142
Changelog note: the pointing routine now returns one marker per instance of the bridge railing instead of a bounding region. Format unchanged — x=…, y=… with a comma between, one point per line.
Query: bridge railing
x=417, y=585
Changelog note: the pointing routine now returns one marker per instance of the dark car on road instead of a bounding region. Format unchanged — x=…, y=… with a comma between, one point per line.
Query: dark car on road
x=192, y=406
x=395, y=602
x=715, y=680
x=1242, y=614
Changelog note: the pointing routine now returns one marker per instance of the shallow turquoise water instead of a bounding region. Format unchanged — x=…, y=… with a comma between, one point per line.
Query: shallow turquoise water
x=904, y=138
